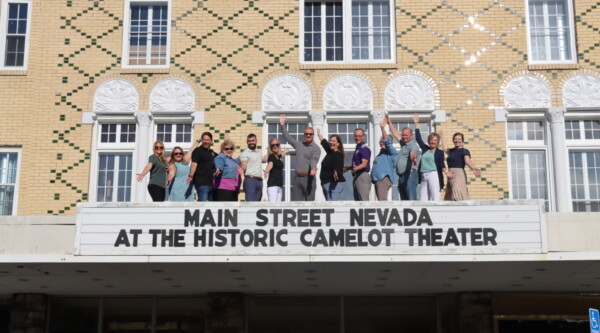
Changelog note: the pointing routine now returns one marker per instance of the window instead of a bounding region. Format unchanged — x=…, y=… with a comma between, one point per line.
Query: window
x=9, y=174
x=528, y=161
x=551, y=31
x=14, y=31
x=347, y=31
x=174, y=133
x=147, y=34
x=114, y=167
x=583, y=143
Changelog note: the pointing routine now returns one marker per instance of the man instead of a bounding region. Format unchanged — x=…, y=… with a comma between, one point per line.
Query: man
x=360, y=167
x=406, y=164
x=307, y=157
x=252, y=164
x=202, y=168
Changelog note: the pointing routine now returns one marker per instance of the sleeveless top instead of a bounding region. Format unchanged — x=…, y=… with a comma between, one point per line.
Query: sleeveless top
x=178, y=189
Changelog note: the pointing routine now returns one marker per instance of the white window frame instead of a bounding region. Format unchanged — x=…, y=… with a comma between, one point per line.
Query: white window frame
x=573, y=43
x=347, y=36
x=127, y=27
x=170, y=145
x=532, y=145
x=17, y=179
x=4, y=32
x=117, y=144
x=111, y=148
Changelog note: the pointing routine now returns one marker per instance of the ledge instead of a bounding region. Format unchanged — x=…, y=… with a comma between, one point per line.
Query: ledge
x=13, y=72
x=348, y=66
x=145, y=70
x=552, y=66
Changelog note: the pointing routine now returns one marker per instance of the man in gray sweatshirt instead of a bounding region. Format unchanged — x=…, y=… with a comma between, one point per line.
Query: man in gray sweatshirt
x=307, y=157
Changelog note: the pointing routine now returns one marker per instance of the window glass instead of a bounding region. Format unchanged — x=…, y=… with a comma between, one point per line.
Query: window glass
x=8, y=179
x=294, y=315
x=550, y=31
x=148, y=34
x=127, y=315
x=584, y=170
x=529, y=175
x=295, y=130
x=74, y=314
x=16, y=34
x=114, y=177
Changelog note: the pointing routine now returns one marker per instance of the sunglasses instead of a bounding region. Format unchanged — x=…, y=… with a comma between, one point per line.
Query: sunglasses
x=158, y=147
x=309, y=134
x=227, y=148
x=275, y=145
x=177, y=154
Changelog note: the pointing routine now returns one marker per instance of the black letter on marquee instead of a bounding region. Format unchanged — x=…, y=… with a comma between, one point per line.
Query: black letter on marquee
x=489, y=236
x=122, y=239
x=424, y=217
x=135, y=233
x=192, y=219
x=262, y=219
x=356, y=217
x=409, y=220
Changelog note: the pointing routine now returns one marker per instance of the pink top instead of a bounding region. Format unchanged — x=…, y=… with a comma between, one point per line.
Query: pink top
x=227, y=184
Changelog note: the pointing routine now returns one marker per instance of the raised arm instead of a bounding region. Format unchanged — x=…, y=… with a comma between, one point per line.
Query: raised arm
x=443, y=142
x=394, y=131
x=382, y=124
x=285, y=132
x=188, y=156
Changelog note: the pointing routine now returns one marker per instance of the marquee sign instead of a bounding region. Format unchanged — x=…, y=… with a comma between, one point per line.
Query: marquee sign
x=284, y=229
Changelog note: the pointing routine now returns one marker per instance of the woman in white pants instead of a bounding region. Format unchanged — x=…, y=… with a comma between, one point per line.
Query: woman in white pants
x=274, y=170
x=431, y=166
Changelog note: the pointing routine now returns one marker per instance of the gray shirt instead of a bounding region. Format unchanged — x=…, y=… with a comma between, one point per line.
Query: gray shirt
x=307, y=155
x=403, y=160
x=254, y=166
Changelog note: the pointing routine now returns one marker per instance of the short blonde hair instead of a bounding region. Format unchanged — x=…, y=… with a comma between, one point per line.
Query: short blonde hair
x=227, y=143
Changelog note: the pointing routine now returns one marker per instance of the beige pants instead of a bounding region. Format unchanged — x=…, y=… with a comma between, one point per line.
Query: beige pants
x=382, y=187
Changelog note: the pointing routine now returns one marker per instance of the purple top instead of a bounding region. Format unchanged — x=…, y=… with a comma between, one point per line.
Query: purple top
x=362, y=152
x=456, y=157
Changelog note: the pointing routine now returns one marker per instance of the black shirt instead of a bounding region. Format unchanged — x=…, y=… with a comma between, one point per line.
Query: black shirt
x=276, y=173
x=334, y=160
x=205, y=158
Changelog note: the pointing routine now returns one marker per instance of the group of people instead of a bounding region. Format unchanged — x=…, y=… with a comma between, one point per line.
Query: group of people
x=218, y=177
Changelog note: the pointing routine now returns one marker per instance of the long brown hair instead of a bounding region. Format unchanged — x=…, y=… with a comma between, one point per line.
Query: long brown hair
x=339, y=140
x=173, y=151
x=162, y=156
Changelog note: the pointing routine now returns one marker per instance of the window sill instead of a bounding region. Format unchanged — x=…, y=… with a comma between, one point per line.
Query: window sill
x=348, y=66
x=13, y=72
x=542, y=67
x=144, y=70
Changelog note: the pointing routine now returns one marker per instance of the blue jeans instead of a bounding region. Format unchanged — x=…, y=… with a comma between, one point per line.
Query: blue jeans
x=407, y=185
x=253, y=189
x=333, y=191
x=205, y=193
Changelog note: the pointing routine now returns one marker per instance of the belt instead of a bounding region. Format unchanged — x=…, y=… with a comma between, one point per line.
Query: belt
x=411, y=170
x=257, y=178
x=301, y=174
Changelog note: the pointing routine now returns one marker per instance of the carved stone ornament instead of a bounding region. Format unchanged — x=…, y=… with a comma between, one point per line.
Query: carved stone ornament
x=556, y=115
x=409, y=92
x=348, y=92
x=317, y=117
x=172, y=95
x=116, y=95
x=143, y=118
x=526, y=92
x=377, y=116
x=286, y=93
x=582, y=91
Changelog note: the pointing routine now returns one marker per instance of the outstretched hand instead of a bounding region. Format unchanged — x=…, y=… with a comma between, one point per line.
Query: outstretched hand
x=416, y=119
x=282, y=118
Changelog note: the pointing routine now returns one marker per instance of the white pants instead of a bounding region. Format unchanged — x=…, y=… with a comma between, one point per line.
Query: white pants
x=275, y=193
x=430, y=187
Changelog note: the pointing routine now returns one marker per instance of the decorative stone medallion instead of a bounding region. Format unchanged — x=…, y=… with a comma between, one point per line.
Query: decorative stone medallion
x=526, y=92
x=409, y=92
x=172, y=95
x=286, y=93
x=582, y=91
x=116, y=95
x=348, y=92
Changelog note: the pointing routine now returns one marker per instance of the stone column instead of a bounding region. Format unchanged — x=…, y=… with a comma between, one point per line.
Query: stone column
x=475, y=312
x=376, y=118
x=317, y=119
x=144, y=119
x=556, y=116
x=28, y=313
x=225, y=313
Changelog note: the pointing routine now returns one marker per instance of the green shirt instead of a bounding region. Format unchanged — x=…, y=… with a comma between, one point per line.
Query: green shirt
x=158, y=173
x=428, y=162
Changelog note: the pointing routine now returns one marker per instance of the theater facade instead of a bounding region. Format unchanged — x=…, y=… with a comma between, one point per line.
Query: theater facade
x=87, y=86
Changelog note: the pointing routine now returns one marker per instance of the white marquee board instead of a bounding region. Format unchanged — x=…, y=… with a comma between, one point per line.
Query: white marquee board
x=284, y=229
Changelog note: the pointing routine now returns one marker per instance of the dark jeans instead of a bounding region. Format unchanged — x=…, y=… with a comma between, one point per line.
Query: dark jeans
x=225, y=195
x=253, y=188
x=156, y=192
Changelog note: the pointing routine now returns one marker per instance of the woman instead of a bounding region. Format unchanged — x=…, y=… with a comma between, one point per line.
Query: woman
x=332, y=167
x=431, y=165
x=383, y=172
x=227, y=174
x=179, y=169
x=274, y=171
x=458, y=157
x=157, y=166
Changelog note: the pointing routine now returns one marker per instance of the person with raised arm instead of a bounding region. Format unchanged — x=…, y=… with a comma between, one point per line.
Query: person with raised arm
x=157, y=166
x=177, y=187
x=458, y=157
x=274, y=170
x=332, y=167
x=307, y=157
x=202, y=168
x=383, y=173
x=407, y=161
x=431, y=167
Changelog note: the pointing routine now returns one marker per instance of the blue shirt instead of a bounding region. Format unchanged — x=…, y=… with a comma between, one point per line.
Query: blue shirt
x=228, y=166
x=384, y=163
